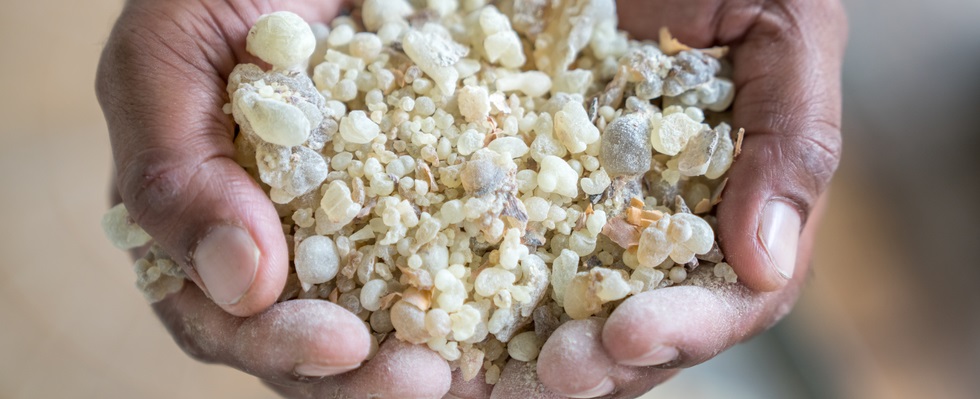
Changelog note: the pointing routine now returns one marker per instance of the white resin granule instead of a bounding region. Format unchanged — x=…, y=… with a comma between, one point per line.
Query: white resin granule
x=337, y=204
x=573, y=128
x=275, y=121
x=317, y=261
x=435, y=54
x=378, y=13
x=670, y=134
x=524, y=346
x=492, y=280
x=563, y=270
x=556, y=176
x=725, y=271
x=509, y=145
x=122, y=230
x=531, y=83
x=474, y=103
x=612, y=286
x=282, y=39
x=357, y=128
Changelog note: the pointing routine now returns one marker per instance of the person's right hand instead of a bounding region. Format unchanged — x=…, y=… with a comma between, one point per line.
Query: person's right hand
x=160, y=83
x=786, y=63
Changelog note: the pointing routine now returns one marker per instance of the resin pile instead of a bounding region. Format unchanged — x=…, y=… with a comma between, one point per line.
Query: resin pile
x=469, y=177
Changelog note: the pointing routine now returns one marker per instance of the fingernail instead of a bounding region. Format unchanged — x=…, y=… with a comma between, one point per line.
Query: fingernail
x=657, y=356
x=780, y=234
x=604, y=388
x=227, y=259
x=322, y=370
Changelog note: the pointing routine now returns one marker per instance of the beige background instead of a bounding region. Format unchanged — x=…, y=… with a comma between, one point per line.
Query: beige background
x=877, y=321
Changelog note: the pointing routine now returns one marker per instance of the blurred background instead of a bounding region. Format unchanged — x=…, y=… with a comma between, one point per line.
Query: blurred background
x=892, y=311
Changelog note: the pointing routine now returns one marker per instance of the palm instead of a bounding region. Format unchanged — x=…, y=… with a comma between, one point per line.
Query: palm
x=161, y=84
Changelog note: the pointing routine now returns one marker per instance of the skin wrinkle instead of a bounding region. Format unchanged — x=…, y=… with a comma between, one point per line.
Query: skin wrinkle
x=739, y=26
x=153, y=190
x=187, y=328
x=806, y=166
x=155, y=36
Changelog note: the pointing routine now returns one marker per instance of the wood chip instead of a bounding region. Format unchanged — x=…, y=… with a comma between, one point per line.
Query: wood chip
x=652, y=215
x=593, y=110
x=680, y=206
x=580, y=222
x=514, y=214
x=704, y=206
x=671, y=46
x=634, y=215
x=716, y=195
x=368, y=207
x=399, y=77
x=424, y=172
x=357, y=191
x=716, y=52
x=418, y=278
x=421, y=299
x=622, y=233
x=738, y=141
x=532, y=237
x=350, y=268
x=613, y=94
x=390, y=299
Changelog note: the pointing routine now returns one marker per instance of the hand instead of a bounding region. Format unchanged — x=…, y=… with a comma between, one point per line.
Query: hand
x=787, y=58
x=160, y=85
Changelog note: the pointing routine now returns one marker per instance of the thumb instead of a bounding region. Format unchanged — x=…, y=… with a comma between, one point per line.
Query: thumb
x=160, y=84
x=788, y=68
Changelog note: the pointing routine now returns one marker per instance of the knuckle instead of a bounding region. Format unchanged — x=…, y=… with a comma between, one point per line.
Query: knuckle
x=819, y=154
x=193, y=349
x=155, y=186
x=187, y=330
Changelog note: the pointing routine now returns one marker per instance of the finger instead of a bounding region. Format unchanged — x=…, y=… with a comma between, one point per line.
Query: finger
x=399, y=370
x=161, y=85
x=574, y=363
x=788, y=70
x=288, y=342
x=697, y=23
x=173, y=152
x=650, y=336
x=786, y=57
x=520, y=380
x=682, y=326
x=476, y=388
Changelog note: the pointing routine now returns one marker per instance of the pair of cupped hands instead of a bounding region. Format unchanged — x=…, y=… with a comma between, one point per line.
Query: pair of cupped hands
x=161, y=85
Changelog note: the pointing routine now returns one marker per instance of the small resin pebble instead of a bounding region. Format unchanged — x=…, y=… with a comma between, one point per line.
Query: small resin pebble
x=282, y=39
x=316, y=261
x=122, y=230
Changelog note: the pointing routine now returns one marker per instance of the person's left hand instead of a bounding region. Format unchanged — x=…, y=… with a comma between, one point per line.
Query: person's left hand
x=161, y=81
x=786, y=56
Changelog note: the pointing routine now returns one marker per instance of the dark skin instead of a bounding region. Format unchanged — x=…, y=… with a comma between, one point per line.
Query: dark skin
x=161, y=86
